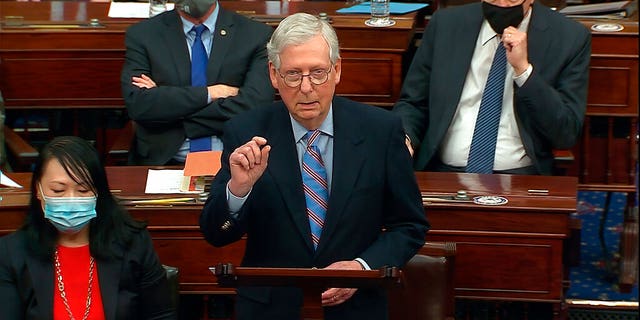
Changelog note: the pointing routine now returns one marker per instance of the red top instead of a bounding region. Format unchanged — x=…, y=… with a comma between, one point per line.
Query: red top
x=74, y=266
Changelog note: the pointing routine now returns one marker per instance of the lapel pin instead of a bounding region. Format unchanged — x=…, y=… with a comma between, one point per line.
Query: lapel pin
x=223, y=32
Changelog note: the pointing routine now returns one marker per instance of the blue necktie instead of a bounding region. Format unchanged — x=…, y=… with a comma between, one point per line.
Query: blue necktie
x=316, y=191
x=199, y=61
x=483, y=144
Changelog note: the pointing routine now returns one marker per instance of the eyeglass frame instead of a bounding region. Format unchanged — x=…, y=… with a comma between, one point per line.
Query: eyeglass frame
x=302, y=76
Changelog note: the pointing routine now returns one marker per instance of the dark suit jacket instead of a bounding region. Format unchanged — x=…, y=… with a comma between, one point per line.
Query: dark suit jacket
x=549, y=107
x=166, y=115
x=373, y=187
x=133, y=286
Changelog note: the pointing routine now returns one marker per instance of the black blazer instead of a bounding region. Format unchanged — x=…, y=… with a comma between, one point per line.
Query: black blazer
x=133, y=286
x=549, y=107
x=175, y=110
x=373, y=188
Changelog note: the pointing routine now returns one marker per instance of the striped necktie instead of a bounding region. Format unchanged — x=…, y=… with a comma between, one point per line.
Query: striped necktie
x=199, y=60
x=316, y=191
x=483, y=144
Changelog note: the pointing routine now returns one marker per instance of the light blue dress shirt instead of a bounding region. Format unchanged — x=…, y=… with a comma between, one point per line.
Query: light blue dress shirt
x=324, y=142
x=207, y=40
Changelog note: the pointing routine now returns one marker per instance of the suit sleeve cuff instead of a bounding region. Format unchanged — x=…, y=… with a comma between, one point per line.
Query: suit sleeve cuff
x=364, y=265
x=235, y=203
x=522, y=78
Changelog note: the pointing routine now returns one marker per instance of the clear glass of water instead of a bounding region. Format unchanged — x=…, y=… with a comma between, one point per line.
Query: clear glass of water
x=157, y=7
x=380, y=14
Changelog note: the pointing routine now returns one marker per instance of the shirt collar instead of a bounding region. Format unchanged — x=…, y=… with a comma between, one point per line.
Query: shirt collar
x=487, y=33
x=326, y=127
x=210, y=23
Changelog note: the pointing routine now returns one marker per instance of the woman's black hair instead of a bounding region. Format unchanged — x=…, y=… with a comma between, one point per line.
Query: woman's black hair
x=81, y=161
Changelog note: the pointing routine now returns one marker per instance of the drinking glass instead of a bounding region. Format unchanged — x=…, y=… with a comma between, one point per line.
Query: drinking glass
x=380, y=14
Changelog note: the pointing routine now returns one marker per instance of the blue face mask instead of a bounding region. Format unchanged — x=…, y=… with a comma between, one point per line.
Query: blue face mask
x=69, y=214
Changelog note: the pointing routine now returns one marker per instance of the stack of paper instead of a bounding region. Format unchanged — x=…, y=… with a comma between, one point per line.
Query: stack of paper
x=199, y=169
x=620, y=8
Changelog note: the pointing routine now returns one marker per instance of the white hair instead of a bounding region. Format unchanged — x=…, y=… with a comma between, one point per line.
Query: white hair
x=297, y=29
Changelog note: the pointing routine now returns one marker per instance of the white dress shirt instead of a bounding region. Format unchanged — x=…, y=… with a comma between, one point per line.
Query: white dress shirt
x=510, y=152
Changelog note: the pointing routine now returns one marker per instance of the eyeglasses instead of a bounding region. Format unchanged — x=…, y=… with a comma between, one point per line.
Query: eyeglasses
x=293, y=79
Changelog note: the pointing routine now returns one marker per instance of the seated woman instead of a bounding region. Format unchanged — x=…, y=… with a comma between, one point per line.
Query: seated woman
x=79, y=255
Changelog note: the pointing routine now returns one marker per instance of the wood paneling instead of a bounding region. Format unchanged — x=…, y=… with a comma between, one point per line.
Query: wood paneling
x=75, y=65
x=509, y=252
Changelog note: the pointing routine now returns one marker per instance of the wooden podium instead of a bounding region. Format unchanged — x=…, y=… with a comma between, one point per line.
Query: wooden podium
x=312, y=281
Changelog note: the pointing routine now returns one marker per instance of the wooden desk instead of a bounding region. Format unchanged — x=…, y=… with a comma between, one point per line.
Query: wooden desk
x=613, y=75
x=608, y=151
x=175, y=229
x=83, y=66
x=607, y=154
x=509, y=252
x=55, y=36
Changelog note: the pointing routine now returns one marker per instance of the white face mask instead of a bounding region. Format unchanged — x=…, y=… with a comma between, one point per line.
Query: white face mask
x=69, y=214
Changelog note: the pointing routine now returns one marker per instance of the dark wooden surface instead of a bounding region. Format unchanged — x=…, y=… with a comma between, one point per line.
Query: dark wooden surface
x=513, y=251
x=509, y=252
x=608, y=150
x=613, y=77
x=83, y=63
x=75, y=52
x=312, y=281
x=50, y=58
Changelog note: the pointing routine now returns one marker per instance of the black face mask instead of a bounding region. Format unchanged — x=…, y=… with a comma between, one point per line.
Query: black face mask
x=195, y=8
x=502, y=17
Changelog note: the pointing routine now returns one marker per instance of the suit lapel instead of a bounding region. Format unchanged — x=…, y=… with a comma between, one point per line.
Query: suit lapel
x=222, y=38
x=109, y=280
x=348, y=158
x=537, y=34
x=42, y=269
x=285, y=170
x=175, y=42
x=460, y=57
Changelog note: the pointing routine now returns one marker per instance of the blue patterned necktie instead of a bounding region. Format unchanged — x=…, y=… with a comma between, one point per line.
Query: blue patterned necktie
x=199, y=61
x=483, y=144
x=314, y=181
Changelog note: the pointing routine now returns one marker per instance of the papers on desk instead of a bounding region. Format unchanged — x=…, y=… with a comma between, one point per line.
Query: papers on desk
x=605, y=9
x=198, y=173
x=132, y=9
x=394, y=8
x=7, y=182
x=164, y=181
x=203, y=163
x=199, y=170
x=171, y=181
